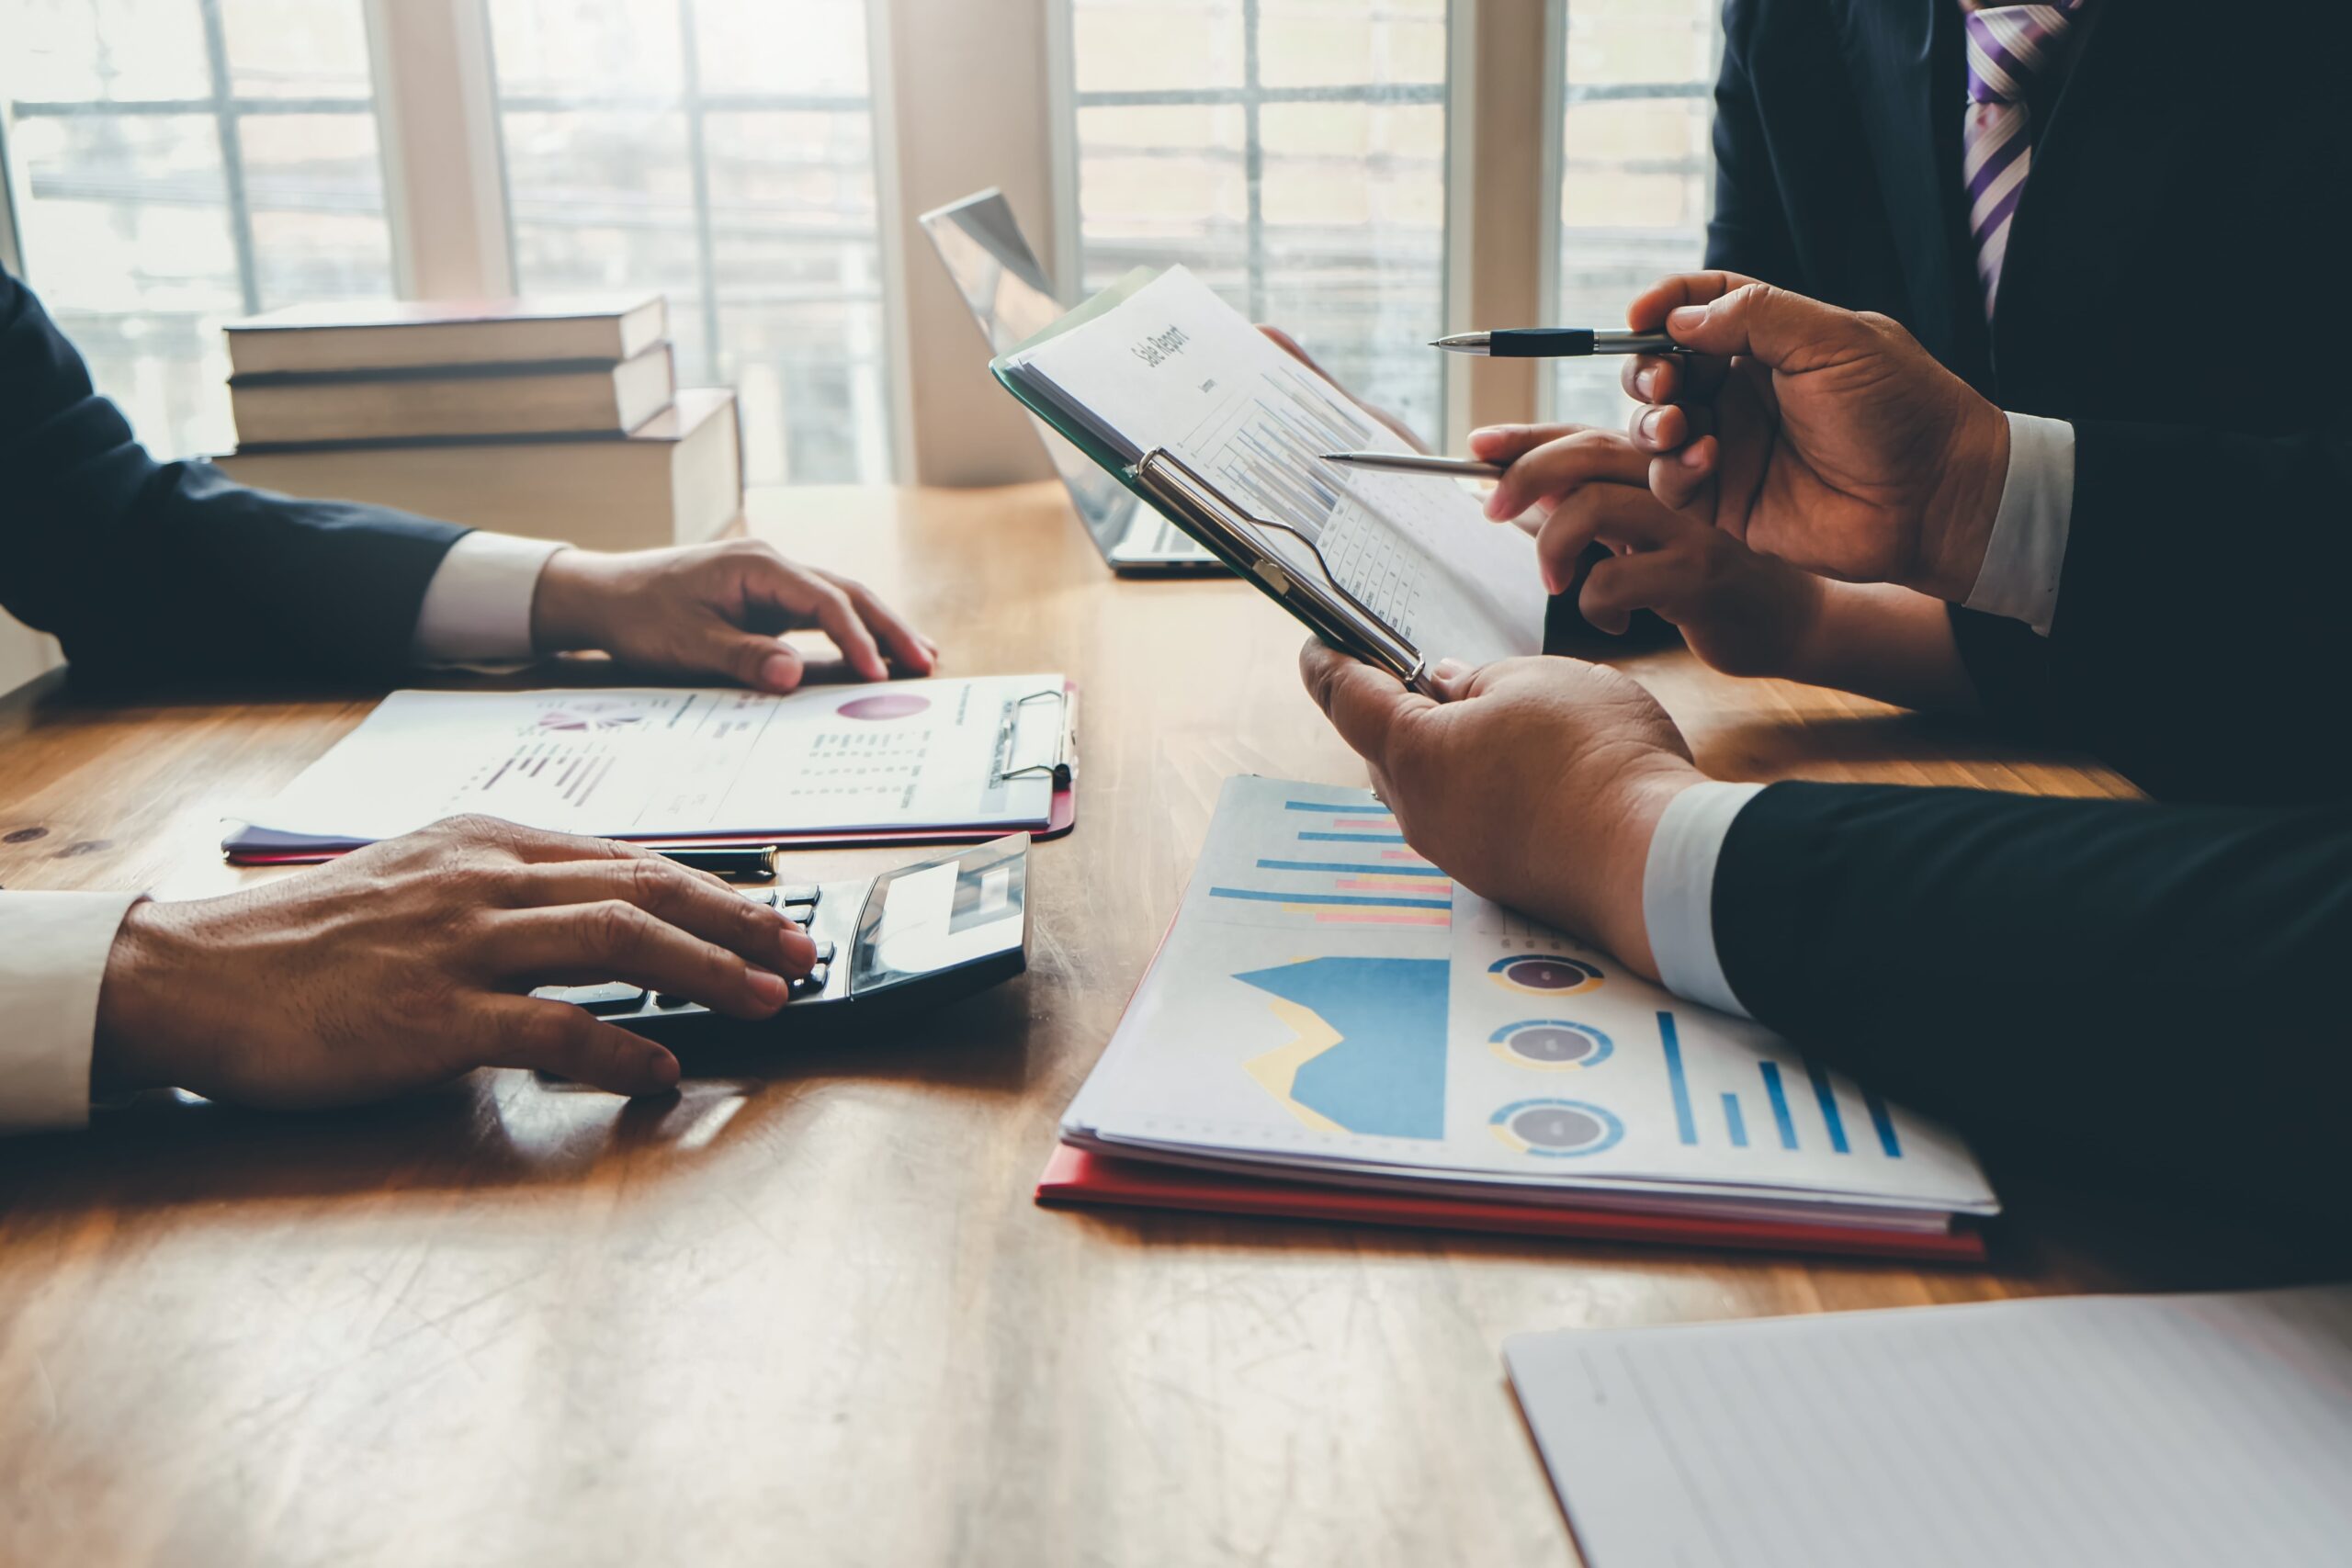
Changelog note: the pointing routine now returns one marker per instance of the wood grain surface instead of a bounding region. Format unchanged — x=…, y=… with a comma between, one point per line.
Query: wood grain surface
x=811, y=1316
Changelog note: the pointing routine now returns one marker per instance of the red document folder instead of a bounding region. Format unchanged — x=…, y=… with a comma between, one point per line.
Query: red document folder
x=264, y=846
x=1077, y=1176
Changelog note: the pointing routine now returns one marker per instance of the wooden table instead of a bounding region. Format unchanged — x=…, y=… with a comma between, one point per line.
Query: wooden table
x=814, y=1316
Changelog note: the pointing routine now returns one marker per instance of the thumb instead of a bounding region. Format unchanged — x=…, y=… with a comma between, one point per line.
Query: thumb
x=1363, y=705
x=762, y=663
x=1787, y=332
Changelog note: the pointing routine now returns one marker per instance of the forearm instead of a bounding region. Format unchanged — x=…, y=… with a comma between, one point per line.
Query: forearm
x=1885, y=642
x=2130, y=986
x=146, y=569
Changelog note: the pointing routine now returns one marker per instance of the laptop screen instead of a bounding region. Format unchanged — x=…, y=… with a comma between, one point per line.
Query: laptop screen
x=1003, y=281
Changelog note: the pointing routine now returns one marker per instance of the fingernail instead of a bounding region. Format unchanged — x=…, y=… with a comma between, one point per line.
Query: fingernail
x=1646, y=383
x=780, y=669
x=768, y=990
x=1649, y=422
x=1449, y=671
x=1690, y=457
x=660, y=1071
x=1685, y=319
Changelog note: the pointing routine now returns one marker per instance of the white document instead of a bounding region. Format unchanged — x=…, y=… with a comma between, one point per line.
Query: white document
x=1329, y=1002
x=1175, y=366
x=656, y=761
x=2091, y=1432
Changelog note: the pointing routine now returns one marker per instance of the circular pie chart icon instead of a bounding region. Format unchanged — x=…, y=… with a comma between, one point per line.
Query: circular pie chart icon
x=1552, y=1044
x=883, y=704
x=1556, y=1129
x=1544, y=973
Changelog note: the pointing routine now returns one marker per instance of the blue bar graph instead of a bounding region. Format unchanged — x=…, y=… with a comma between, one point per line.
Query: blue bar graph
x=1383, y=868
x=1336, y=808
x=1734, y=1122
x=1771, y=1071
x=1685, y=1123
x=1384, y=900
x=1353, y=838
x=1885, y=1125
x=1828, y=1098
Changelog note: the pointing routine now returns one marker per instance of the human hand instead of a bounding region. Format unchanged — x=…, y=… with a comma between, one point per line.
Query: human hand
x=1827, y=437
x=1540, y=783
x=408, y=963
x=1290, y=346
x=716, y=609
x=1572, y=485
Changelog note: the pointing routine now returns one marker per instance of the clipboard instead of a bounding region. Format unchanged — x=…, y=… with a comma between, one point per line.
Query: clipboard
x=1241, y=539
x=1038, y=739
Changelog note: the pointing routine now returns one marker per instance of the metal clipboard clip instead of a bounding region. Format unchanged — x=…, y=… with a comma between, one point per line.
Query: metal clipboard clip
x=1232, y=533
x=1062, y=765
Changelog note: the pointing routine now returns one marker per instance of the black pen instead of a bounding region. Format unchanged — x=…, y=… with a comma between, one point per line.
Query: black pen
x=1556, y=342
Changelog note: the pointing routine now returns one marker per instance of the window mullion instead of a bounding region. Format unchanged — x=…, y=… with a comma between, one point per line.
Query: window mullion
x=232, y=154
x=436, y=115
x=1507, y=202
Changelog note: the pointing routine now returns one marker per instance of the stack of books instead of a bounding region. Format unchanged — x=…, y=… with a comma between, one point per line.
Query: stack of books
x=559, y=418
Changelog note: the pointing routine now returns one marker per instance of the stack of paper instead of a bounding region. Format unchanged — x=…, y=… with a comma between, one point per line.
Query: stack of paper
x=974, y=755
x=2139, y=1430
x=1331, y=1012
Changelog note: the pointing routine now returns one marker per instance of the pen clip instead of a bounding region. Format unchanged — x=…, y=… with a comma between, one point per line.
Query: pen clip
x=1169, y=478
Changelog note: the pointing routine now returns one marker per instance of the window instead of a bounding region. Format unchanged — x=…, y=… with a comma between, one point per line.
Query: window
x=721, y=150
x=1290, y=152
x=1356, y=171
x=1636, y=171
x=176, y=163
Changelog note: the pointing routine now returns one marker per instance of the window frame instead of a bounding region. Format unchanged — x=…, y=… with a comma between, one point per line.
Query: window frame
x=449, y=215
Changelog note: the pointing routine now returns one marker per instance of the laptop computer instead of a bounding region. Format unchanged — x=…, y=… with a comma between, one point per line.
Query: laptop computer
x=1011, y=298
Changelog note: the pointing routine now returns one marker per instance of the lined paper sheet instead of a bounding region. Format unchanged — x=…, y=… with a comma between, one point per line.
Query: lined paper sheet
x=2142, y=1431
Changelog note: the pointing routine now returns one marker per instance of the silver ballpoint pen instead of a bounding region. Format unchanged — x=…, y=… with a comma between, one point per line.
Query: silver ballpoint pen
x=1413, y=463
x=1556, y=342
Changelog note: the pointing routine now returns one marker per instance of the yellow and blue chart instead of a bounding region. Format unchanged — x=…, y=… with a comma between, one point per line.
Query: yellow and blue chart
x=1369, y=1055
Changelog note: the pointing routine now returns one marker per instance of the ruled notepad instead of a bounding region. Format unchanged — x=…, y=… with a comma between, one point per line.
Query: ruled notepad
x=2146, y=1430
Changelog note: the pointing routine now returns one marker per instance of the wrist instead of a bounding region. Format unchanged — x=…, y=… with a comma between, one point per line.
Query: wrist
x=566, y=603
x=1640, y=801
x=146, y=1000
x=1958, y=524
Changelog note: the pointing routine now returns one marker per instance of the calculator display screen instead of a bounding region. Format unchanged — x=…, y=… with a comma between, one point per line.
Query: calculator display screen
x=924, y=919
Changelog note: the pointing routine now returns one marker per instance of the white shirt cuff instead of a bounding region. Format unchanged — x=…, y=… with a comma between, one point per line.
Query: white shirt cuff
x=2027, y=549
x=53, y=948
x=1678, y=892
x=476, y=609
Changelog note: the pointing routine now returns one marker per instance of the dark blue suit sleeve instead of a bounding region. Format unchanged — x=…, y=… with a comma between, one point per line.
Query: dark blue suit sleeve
x=146, y=569
x=2135, y=992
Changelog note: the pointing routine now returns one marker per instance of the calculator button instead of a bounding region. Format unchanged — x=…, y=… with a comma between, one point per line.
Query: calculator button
x=668, y=999
x=800, y=893
x=811, y=983
x=611, y=997
x=799, y=914
x=824, y=953
x=760, y=896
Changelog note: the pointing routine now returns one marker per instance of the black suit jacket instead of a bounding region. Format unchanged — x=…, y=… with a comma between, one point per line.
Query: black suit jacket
x=2170, y=288
x=2134, y=990
x=2145, y=991
x=147, y=570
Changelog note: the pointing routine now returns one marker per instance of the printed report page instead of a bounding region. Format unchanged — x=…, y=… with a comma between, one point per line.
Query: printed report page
x=1175, y=366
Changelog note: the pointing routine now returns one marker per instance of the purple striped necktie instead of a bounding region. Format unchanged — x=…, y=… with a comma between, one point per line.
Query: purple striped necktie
x=2008, y=46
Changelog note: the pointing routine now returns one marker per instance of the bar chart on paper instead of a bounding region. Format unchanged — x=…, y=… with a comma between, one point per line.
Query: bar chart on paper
x=1786, y=1115
x=1338, y=865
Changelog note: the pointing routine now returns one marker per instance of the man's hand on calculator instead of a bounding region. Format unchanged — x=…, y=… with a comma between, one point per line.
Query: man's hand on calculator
x=409, y=962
